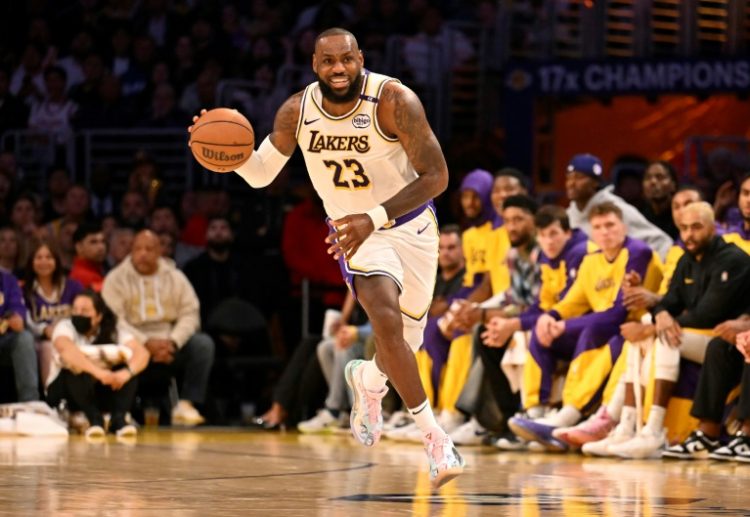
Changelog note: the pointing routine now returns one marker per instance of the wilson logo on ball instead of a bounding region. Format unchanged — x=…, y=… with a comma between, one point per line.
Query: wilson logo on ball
x=221, y=156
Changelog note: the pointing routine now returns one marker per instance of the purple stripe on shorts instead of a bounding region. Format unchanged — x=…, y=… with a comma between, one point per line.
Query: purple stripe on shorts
x=412, y=215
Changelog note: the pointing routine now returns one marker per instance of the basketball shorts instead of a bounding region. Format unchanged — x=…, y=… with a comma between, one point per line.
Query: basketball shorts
x=407, y=253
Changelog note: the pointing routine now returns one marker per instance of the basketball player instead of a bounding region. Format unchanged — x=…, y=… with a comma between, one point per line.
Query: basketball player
x=376, y=164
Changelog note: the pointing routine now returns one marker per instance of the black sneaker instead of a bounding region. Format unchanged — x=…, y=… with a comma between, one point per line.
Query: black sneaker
x=696, y=446
x=740, y=444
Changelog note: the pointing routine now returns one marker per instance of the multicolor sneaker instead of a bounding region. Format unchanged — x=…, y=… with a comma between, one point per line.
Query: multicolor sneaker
x=645, y=444
x=695, y=446
x=738, y=447
x=595, y=428
x=535, y=431
x=445, y=461
x=366, y=418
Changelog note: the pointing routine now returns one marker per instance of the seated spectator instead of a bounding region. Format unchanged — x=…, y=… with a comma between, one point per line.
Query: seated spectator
x=76, y=210
x=133, y=210
x=17, y=343
x=58, y=183
x=739, y=234
x=726, y=365
x=583, y=184
x=9, y=251
x=96, y=365
x=164, y=220
x=49, y=297
x=164, y=112
x=584, y=327
x=218, y=273
x=91, y=251
x=659, y=185
x=119, y=246
x=156, y=303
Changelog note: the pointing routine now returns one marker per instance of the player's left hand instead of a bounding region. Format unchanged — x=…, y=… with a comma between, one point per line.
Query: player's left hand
x=351, y=232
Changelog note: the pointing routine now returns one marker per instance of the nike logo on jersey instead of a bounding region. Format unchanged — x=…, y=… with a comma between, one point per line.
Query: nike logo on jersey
x=308, y=122
x=419, y=232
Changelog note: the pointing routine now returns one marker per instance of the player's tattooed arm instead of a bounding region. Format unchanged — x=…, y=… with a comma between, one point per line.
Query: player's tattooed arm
x=401, y=114
x=284, y=135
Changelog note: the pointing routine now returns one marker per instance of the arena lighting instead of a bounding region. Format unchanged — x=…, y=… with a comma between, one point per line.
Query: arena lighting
x=589, y=4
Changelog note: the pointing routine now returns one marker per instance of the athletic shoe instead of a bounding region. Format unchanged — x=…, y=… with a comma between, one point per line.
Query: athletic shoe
x=738, y=446
x=322, y=422
x=621, y=434
x=645, y=444
x=449, y=421
x=126, y=431
x=695, y=446
x=185, y=414
x=471, y=433
x=95, y=433
x=366, y=418
x=595, y=428
x=531, y=430
x=396, y=420
x=510, y=442
x=445, y=461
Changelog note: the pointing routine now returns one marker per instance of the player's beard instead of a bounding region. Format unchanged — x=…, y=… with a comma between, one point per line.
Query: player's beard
x=350, y=94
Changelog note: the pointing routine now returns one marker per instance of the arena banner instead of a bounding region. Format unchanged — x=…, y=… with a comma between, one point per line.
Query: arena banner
x=630, y=77
x=525, y=82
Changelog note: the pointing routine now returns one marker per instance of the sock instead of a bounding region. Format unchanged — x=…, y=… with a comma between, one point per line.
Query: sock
x=535, y=412
x=372, y=378
x=566, y=417
x=655, y=421
x=627, y=420
x=614, y=408
x=423, y=416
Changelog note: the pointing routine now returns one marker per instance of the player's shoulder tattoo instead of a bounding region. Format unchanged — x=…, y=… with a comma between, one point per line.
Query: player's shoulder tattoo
x=408, y=113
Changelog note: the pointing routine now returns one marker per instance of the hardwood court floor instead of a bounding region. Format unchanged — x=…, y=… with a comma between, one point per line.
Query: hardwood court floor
x=235, y=472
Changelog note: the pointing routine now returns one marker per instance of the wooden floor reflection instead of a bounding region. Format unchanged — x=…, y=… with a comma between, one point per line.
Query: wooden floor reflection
x=233, y=472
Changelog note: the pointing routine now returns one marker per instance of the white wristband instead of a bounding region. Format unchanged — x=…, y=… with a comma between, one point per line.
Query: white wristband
x=379, y=216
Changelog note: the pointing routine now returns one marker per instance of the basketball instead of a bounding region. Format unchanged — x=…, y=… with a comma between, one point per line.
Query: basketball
x=222, y=140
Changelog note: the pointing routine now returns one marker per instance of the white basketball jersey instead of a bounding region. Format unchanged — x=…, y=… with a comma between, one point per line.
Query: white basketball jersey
x=353, y=165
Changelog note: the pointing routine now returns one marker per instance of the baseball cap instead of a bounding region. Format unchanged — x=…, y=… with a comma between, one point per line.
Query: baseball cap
x=587, y=164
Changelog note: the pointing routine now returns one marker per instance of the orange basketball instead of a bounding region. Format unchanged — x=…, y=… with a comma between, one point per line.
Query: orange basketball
x=222, y=140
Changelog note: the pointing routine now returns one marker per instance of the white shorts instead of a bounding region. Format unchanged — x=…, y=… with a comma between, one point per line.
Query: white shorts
x=408, y=254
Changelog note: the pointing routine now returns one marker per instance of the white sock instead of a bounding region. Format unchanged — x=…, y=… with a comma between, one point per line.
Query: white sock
x=566, y=417
x=614, y=408
x=372, y=378
x=627, y=420
x=423, y=416
x=655, y=421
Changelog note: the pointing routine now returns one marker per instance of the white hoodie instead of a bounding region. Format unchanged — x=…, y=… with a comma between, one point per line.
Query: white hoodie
x=163, y=305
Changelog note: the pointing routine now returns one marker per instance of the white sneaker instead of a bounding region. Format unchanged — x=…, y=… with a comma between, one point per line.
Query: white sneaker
x=445, y=461
x=645, y=444
x=185, y=414
x=471, y=433
x=322, y=422
x=396, y=420
x=621, y=434
x=126, y=431
x=95, y=434
x=400, y=434
x=449, y=421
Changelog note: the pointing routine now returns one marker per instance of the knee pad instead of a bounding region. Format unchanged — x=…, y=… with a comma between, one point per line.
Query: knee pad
x=666, y=362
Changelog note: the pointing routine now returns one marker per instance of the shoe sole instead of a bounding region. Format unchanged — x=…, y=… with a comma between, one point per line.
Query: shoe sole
x=721, y=457
x=445, y=476
x=356, y=403
x=682, y=456
x=531, y=436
